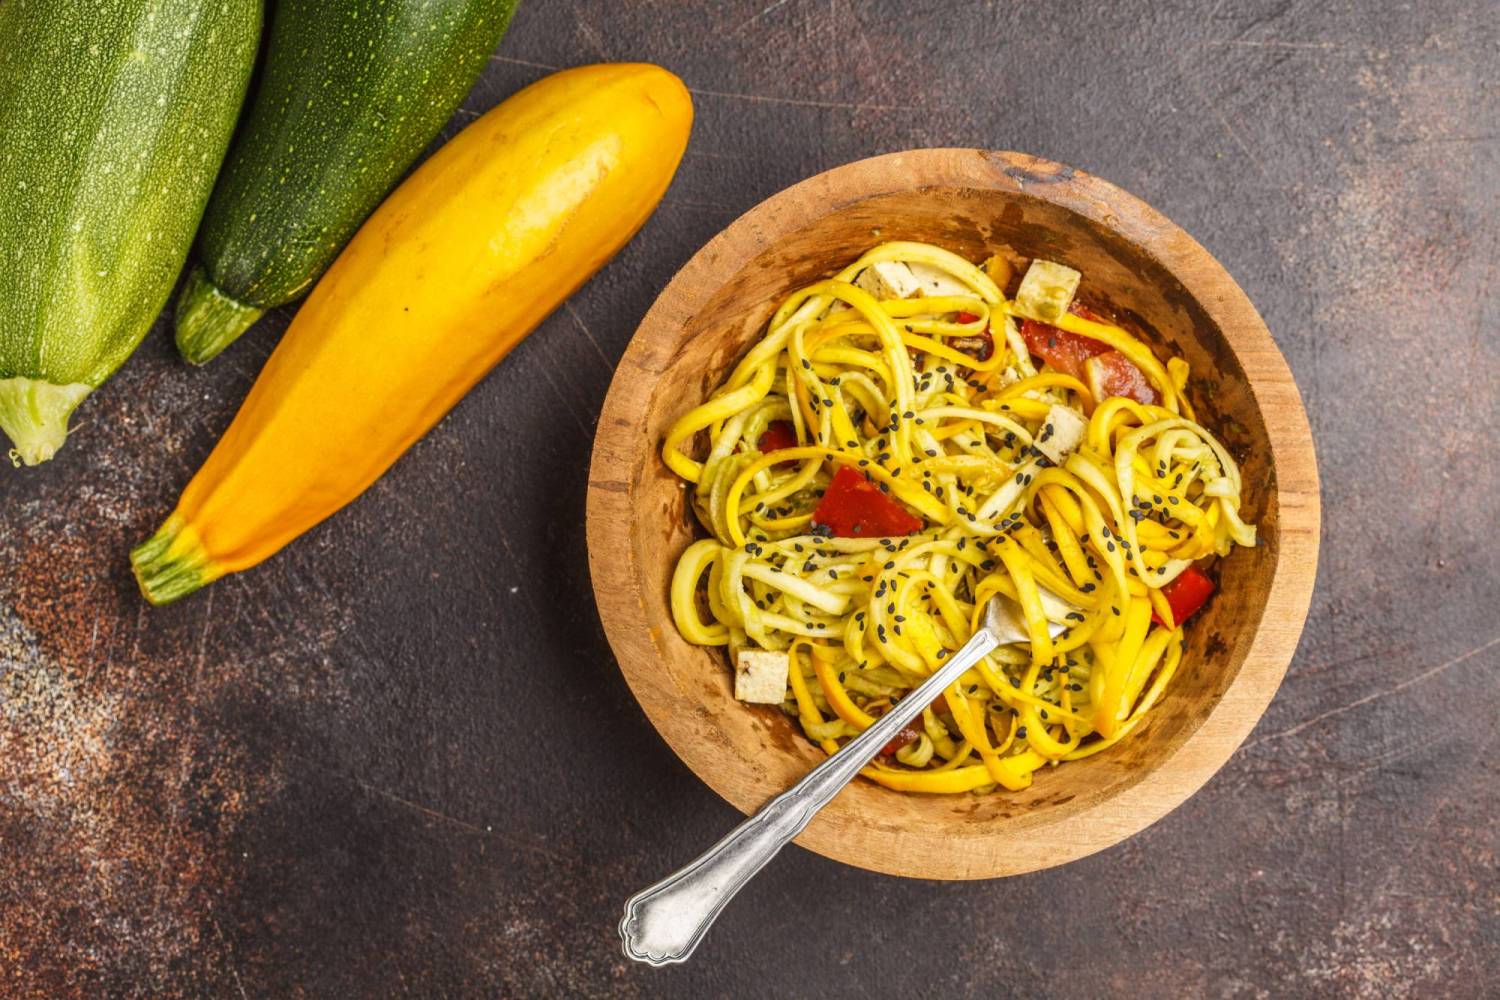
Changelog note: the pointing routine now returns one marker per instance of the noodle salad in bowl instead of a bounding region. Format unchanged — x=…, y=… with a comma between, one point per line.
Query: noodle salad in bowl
x=906, y=442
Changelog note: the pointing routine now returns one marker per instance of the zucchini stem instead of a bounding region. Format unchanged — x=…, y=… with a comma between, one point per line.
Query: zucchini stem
x=34, y=415
x=172, y=563
x=208, y=320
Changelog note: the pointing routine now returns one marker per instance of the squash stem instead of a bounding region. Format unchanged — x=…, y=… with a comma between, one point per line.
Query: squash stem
x=172, y=563
x=208, y=320
x=34, y=415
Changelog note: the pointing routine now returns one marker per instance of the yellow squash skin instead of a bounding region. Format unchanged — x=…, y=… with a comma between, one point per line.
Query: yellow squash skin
x=460, y=263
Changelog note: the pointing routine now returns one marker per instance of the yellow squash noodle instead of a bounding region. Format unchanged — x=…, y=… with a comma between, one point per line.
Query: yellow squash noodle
x=907, y=368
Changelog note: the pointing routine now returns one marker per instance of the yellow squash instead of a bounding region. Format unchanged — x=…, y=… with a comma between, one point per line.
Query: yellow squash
x=464, y=259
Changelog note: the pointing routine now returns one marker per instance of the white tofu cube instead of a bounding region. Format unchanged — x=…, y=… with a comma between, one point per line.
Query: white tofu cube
x=760, y=676
x=935, y=282
x=1061, y=432
x=888, y=279
x=1046, y=291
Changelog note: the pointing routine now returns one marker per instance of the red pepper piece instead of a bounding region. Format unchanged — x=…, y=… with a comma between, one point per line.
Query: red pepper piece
x=1113, y=374
x=1064, y=351
x=913, y=730
x=778, y=434
x=854, y=507
x=1186, y=594
x=979, y=347
x=907, y=735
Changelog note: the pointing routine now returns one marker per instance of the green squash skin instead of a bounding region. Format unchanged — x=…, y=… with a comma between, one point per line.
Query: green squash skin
x=350, y=95
x=115, y=116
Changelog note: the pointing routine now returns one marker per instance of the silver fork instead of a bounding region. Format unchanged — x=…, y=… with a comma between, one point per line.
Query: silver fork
x=663, y=924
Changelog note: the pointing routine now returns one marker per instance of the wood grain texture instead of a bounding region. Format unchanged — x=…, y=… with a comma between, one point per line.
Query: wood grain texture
x=399, y=759
x=1135, y=263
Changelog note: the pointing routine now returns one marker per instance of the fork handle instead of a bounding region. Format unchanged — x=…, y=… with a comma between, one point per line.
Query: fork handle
x=663, y=924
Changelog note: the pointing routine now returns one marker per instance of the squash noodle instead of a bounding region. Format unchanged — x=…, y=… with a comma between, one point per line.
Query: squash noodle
x=903, y=390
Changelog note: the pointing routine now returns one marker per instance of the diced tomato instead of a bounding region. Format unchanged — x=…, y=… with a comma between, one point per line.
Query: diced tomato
x=1113, y=374
x=854, y=507
x=964, y=317
x=907, y=735
x=778, y=434
x=1186, y=594
x=1062, y=350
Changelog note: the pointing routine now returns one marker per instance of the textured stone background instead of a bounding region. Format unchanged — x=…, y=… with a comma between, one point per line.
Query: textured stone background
x=398, y=759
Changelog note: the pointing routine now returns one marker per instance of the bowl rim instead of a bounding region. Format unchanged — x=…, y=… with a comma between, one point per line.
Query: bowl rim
x=614, y=471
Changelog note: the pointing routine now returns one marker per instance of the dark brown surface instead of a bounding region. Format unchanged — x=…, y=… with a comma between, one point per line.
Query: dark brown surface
x=399, y=760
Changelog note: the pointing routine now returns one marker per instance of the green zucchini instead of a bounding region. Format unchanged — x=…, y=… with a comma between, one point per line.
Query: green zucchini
x=351, y=93
x=114, y=118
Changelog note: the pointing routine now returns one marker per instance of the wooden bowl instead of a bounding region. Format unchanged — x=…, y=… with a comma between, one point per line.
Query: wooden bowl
x=1165, y=287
